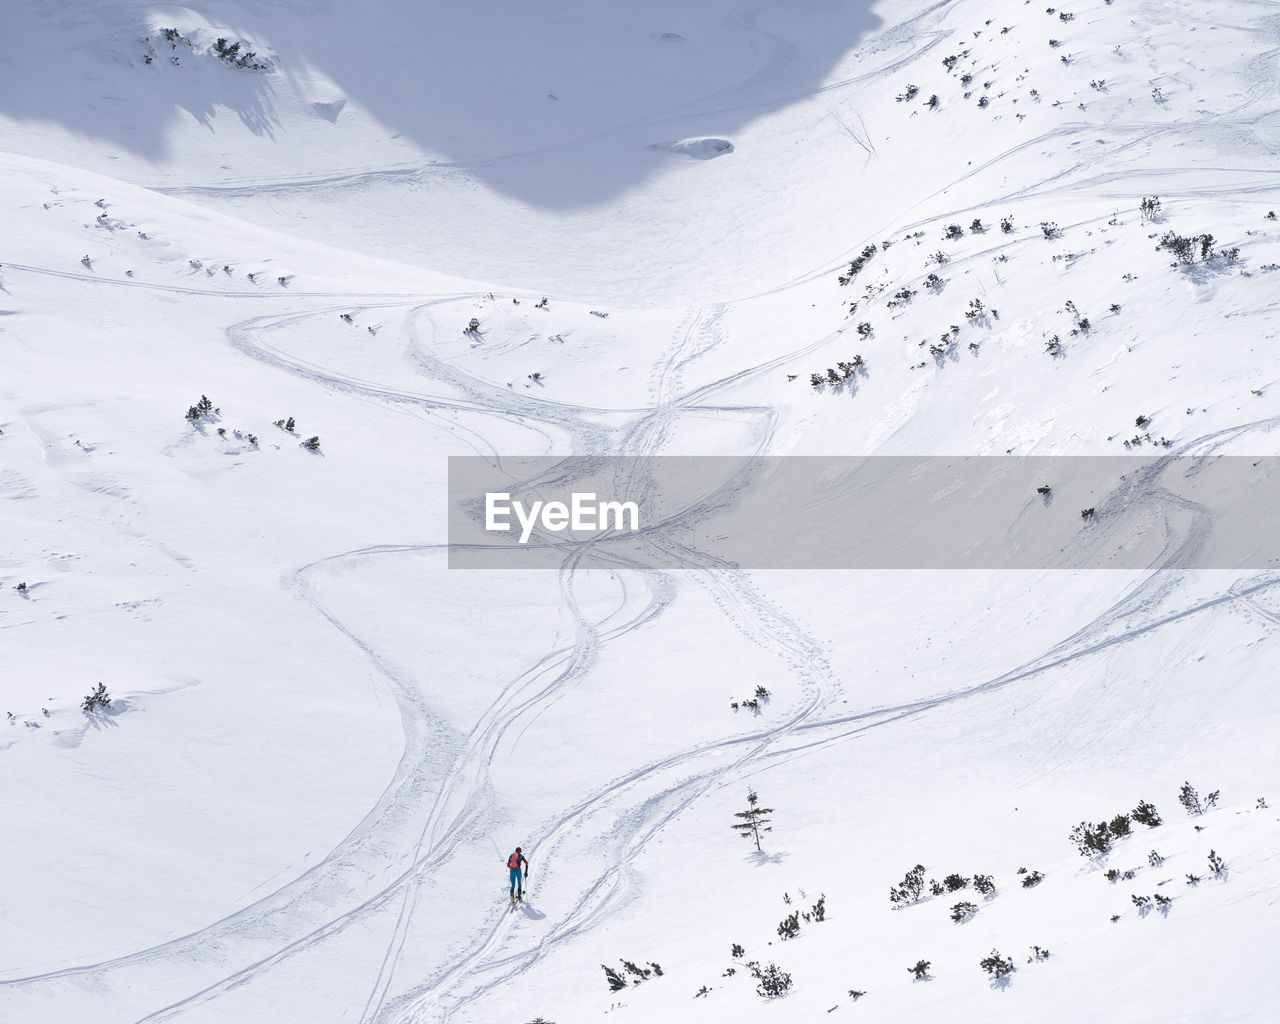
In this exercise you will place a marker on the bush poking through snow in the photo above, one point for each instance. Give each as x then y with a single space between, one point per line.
1190 800
1038 953
616 980
1218 865
96 699
856 266
818 912
985 884
789 926
312 444
920 970
771 980
1146 814
231 54
996 965
963 911
1091 840
910 889
1032 879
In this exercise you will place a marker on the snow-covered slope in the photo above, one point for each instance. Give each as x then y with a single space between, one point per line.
323 743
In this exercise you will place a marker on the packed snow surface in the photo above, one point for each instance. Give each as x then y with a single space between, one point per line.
322 743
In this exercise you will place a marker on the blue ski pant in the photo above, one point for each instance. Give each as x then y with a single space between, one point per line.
517 884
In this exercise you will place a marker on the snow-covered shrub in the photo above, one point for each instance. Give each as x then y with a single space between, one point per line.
1218 865
1119 826
962 911
985 884
312 444
920 970
955 881
1032 879
789 926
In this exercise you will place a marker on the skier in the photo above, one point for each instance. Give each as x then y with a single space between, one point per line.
517 880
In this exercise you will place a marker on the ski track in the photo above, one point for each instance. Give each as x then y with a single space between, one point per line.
298 915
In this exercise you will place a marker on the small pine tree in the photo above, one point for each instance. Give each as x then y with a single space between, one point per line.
1190 799
312 444
96 699
910 889
754 820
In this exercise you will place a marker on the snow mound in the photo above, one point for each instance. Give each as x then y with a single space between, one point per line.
329 110
699 149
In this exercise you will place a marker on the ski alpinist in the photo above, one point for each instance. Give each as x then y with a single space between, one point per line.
517 879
